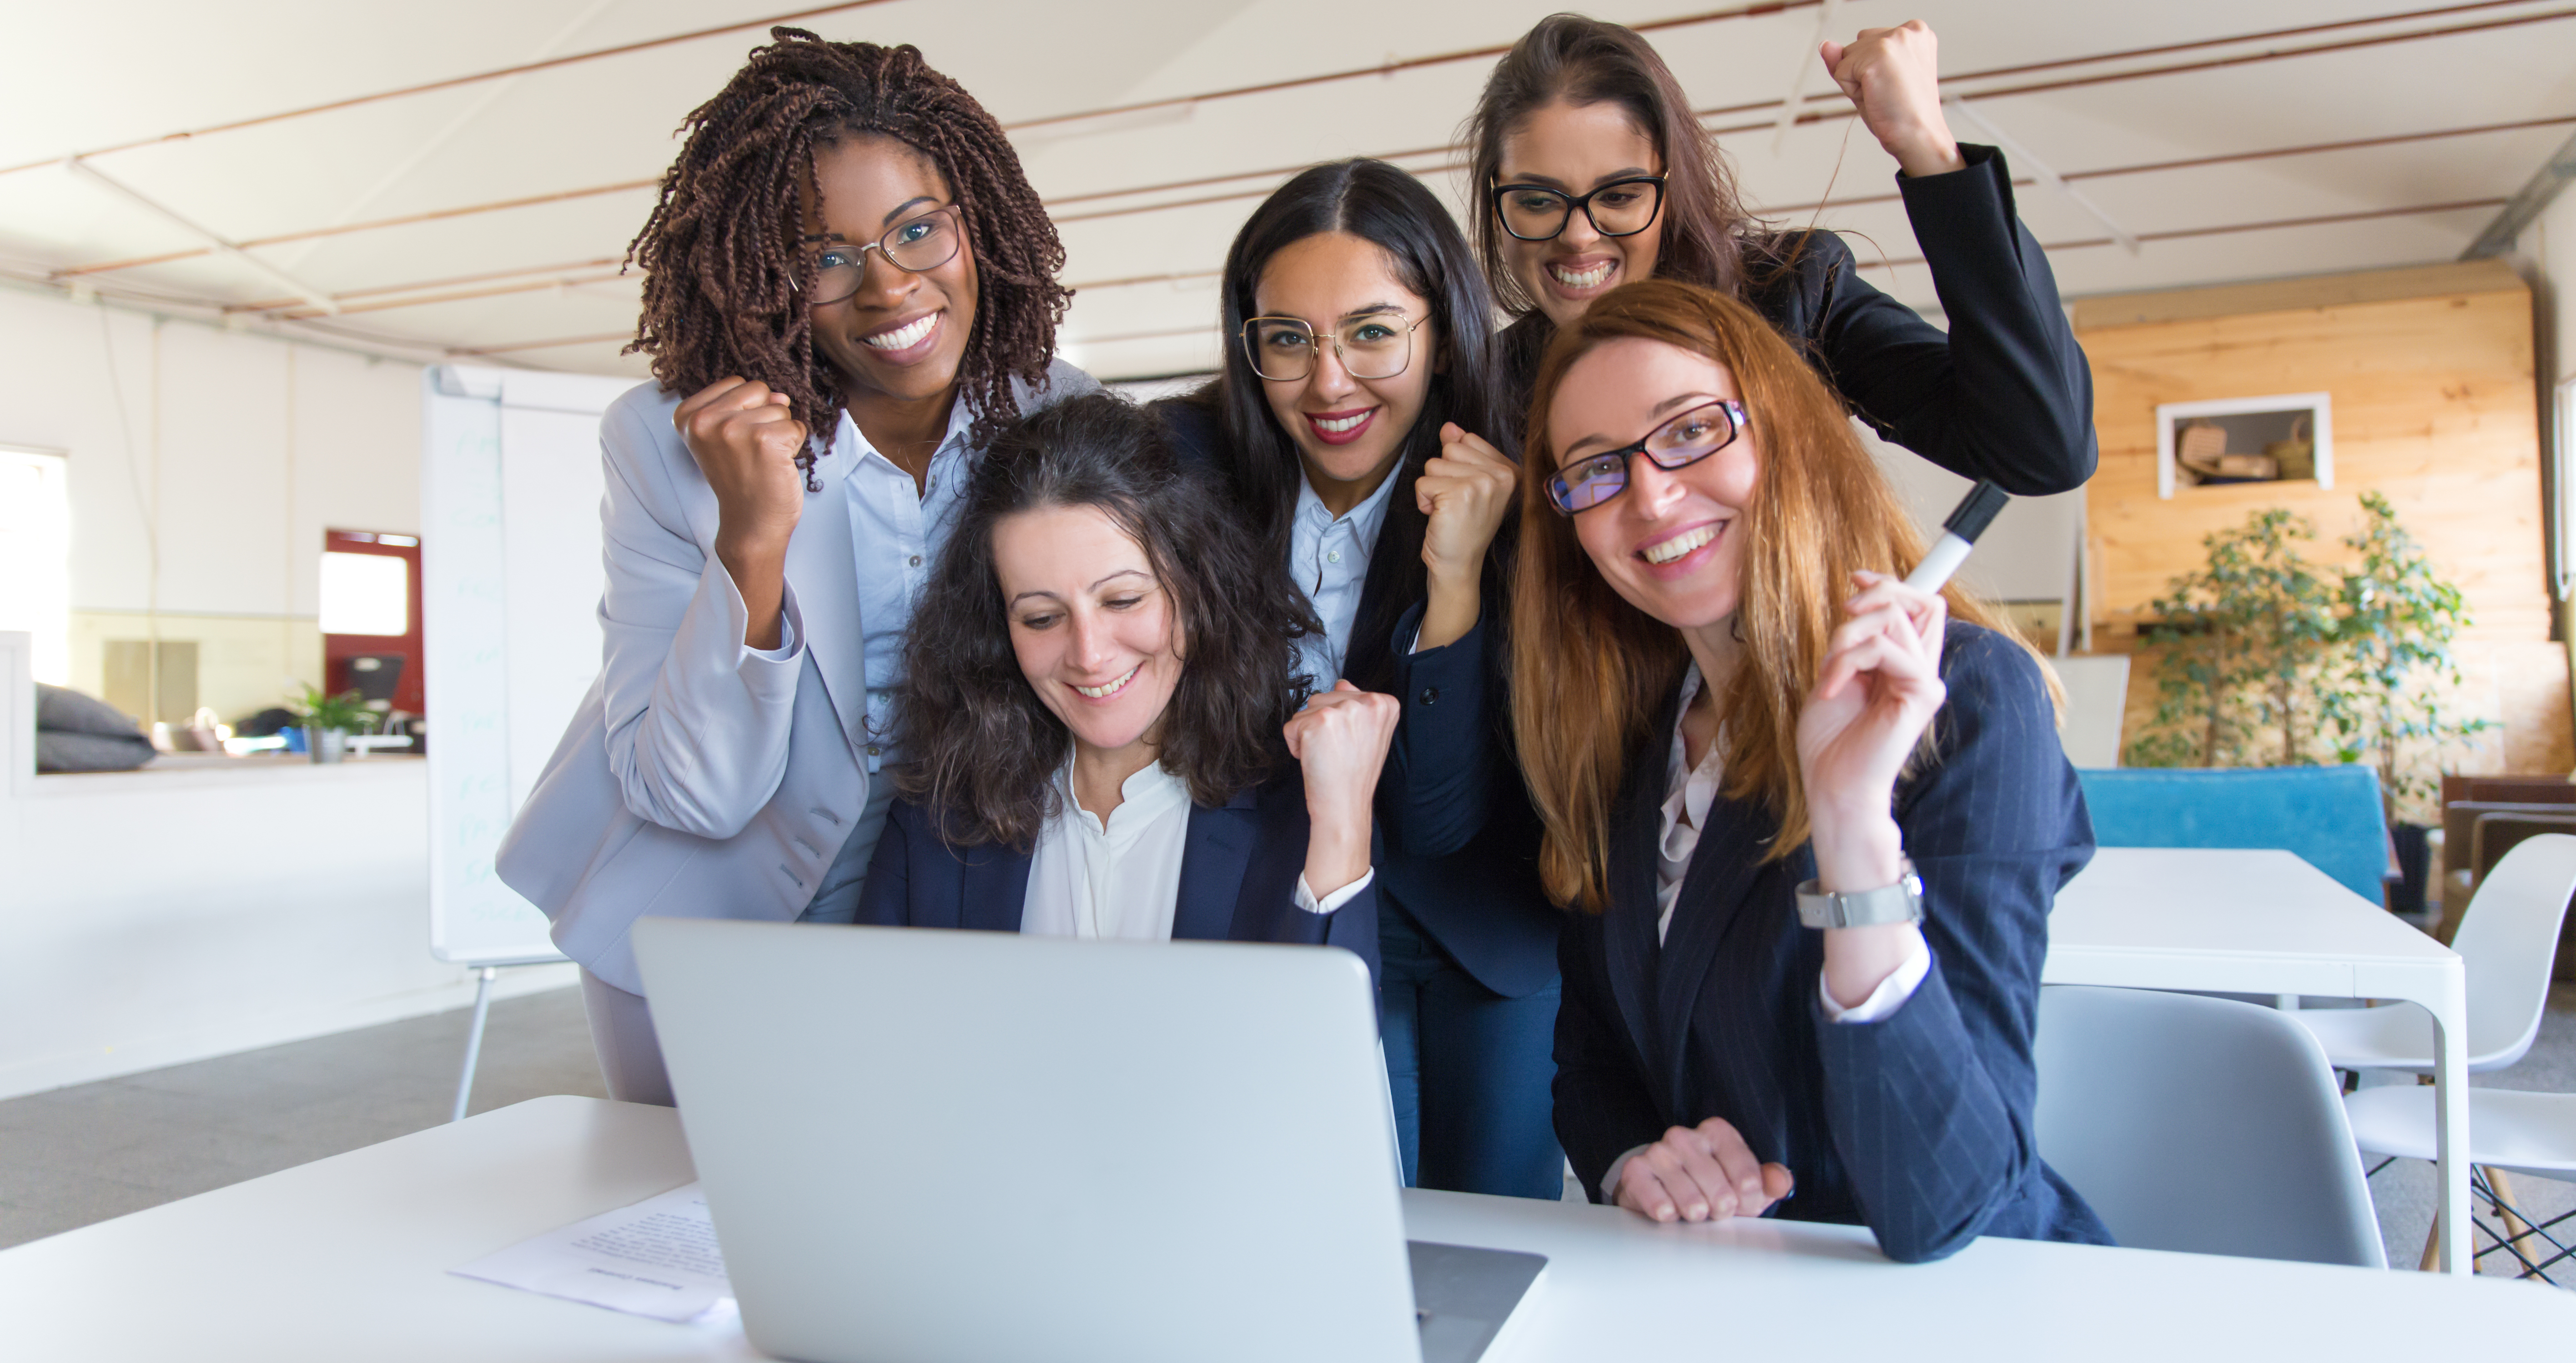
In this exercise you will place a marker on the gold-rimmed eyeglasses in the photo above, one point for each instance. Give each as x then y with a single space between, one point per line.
918 244
1370 346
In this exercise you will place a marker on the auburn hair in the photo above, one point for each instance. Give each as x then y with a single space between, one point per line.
1591 672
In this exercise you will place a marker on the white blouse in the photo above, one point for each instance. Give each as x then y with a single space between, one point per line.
1122 879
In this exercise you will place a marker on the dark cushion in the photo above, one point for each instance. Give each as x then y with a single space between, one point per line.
61 752
64 711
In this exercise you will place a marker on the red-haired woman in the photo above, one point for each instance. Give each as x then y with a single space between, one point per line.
1811 820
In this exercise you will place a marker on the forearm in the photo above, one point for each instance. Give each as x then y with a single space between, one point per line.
758 567
1855 853
1455 601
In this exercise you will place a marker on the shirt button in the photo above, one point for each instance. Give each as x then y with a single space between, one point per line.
1430 695
916 560
873 751
1333 557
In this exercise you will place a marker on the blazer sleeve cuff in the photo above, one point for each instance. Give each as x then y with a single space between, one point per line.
791 630
1610 1180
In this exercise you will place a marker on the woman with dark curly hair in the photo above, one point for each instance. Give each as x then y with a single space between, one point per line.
1101 715
850 288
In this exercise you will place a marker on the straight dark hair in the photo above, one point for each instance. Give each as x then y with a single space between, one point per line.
981 748
1582 61
1398 214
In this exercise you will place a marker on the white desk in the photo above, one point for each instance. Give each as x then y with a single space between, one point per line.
346 1259
2261 922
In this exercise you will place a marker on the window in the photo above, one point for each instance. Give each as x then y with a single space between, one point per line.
36 555
365 594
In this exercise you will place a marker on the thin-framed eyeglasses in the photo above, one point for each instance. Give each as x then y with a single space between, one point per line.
1371 346
1679 443
918 244
1621 208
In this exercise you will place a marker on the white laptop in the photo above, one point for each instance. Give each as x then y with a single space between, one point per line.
924 1146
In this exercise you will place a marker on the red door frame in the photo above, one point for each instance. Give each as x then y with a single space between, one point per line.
338 649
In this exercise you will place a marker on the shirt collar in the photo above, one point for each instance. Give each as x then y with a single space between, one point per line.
1363 519
1143 798
850 448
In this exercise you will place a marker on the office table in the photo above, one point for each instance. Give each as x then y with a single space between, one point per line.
347 1258
2262 922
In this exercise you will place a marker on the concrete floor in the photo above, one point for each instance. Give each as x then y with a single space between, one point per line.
78 1155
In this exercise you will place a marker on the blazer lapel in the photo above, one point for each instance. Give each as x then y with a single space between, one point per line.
1628 925
993 888
822 568
1214 855
1724 866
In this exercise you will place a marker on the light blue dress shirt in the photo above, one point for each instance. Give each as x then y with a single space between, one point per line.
1329 558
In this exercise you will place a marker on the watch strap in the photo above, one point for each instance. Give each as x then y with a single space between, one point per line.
1901 902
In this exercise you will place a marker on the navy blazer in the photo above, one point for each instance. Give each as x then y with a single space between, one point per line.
1918 1126
1239 868
1477 892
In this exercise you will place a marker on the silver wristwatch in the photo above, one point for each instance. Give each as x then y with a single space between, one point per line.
1901 902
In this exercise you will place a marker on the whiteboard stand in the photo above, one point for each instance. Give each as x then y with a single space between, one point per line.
474 1035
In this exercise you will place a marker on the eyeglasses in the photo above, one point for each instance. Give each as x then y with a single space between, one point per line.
1621 208
917 244
1679 443
1378 346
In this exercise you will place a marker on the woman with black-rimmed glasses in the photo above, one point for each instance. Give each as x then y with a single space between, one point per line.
850 290
1361 426
1591 171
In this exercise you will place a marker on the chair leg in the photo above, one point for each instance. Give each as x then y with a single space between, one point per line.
2515 1228
2432 1247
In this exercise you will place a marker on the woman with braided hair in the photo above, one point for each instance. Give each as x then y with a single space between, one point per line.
850 288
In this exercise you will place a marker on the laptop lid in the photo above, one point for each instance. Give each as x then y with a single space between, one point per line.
927 1146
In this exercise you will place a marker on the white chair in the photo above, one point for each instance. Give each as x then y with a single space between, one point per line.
2202 1125
2510 1132
2507 937
2097 698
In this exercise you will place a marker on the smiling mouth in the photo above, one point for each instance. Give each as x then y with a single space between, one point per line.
1339 428
904 337
1588 278
1113 688
1666 551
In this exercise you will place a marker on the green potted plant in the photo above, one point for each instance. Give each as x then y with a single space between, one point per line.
2241 646
2396 678
329 720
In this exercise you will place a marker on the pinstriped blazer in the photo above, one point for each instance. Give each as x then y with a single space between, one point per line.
1918 1126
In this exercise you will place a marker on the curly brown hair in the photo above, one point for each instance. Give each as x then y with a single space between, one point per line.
980 748
722 270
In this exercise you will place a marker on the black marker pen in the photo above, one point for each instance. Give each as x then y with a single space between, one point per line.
1958 534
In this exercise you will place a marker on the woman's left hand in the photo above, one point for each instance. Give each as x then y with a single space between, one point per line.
1894 75
1877 690
1340 739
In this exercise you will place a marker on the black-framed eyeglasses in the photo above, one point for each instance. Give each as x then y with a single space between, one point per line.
1679 443
923 242
1374 346
1621 208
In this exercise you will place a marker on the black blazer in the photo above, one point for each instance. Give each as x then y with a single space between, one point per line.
2005 394
1918 1126
1472 885
1239 869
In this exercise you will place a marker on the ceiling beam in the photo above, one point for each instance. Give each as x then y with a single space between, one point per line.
2526 204
317 297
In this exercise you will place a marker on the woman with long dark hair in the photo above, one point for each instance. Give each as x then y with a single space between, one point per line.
1102 713
1810 820
850 288
1359 421
1590 171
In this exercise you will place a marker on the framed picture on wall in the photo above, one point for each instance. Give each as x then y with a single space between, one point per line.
2284 438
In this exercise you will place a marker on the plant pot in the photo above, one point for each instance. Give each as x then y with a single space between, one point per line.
2406 893
326 745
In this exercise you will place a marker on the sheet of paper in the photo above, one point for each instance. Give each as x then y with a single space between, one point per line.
657 1258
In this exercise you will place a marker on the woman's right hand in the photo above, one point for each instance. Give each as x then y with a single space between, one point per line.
1340 739
1701 1173
745 441
1465 492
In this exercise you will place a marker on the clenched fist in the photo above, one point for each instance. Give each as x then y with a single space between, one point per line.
746 442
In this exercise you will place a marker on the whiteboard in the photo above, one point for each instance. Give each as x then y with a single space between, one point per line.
510 585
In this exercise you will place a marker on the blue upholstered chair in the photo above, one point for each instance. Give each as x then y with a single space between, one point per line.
2329 816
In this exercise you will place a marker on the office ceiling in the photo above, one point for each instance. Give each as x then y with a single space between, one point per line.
463 179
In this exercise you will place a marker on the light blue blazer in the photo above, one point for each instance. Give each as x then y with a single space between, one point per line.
700 780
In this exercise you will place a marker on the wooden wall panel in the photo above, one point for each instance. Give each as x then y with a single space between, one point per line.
2433 407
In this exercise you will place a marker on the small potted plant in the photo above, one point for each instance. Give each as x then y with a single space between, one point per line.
329 720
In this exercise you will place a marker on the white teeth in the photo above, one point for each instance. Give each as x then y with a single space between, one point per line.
1581 280
1113 688
1680 544
1337 425
903 337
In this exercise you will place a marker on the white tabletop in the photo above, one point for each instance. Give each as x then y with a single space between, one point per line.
2261 922
346 1259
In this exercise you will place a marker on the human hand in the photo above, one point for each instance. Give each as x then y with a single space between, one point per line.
1465 490
746 442
1341 738
1701 1173
1894 75
1877 691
